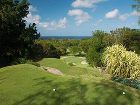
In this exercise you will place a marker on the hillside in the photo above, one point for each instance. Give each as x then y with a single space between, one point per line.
26 84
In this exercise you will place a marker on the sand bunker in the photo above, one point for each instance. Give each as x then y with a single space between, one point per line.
52 70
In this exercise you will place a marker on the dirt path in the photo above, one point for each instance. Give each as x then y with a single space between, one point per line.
52 70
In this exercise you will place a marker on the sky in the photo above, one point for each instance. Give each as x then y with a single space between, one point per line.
81 17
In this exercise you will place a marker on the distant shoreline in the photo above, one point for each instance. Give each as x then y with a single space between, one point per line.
65 37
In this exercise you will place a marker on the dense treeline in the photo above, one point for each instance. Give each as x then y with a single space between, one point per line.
116 52
56 48
92 47
16 38
129 38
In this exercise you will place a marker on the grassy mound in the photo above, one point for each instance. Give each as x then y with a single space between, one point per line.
29 85
66 68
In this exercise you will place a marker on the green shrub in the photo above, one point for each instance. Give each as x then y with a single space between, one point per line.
75 50
95 51
130 38
129 82
93 57
20 61
120 62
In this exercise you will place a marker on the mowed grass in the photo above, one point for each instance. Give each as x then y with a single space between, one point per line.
67 69
29 85
77 60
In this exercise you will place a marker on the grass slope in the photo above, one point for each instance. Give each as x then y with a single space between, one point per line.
77 70
65 68
29 85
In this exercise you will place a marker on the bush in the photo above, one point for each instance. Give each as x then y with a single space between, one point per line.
49 51
75 50
120 62
94 58
20 61
63 50
129 82
97 48
130 38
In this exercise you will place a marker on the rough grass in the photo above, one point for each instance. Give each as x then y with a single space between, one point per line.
28 85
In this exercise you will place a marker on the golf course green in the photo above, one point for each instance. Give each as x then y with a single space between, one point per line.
80 84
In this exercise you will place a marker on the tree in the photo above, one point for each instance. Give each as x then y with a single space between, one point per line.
27 41
49 51
137 7
85 44
75 50
95 51
130 38
13 29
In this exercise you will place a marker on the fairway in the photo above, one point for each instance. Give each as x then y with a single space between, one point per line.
69 52
29 85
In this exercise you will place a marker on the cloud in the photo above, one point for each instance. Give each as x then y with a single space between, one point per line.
98 22
112 14
32 8
85 3
125 16
116 14
53 25
135 13
32 18
80 16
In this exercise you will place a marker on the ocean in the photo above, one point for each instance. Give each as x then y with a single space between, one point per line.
64 37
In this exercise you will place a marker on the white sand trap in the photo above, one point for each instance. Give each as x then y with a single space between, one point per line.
64 57
84 63
52 70
70 63
82 57
74 64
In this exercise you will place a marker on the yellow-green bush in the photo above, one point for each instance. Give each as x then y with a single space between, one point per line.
122 63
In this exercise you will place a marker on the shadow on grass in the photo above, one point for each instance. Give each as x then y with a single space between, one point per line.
73 92
2 79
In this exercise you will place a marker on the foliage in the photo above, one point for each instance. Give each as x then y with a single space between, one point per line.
120 62
63 50
93 57
130 38
27 40
62 46
48 50
75 50
129 82
16 39
85 44
20 61
95 51
137 7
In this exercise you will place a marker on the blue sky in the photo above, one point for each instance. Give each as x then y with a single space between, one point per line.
81 17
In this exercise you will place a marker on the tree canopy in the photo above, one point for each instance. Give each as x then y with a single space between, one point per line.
15 36
137 7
